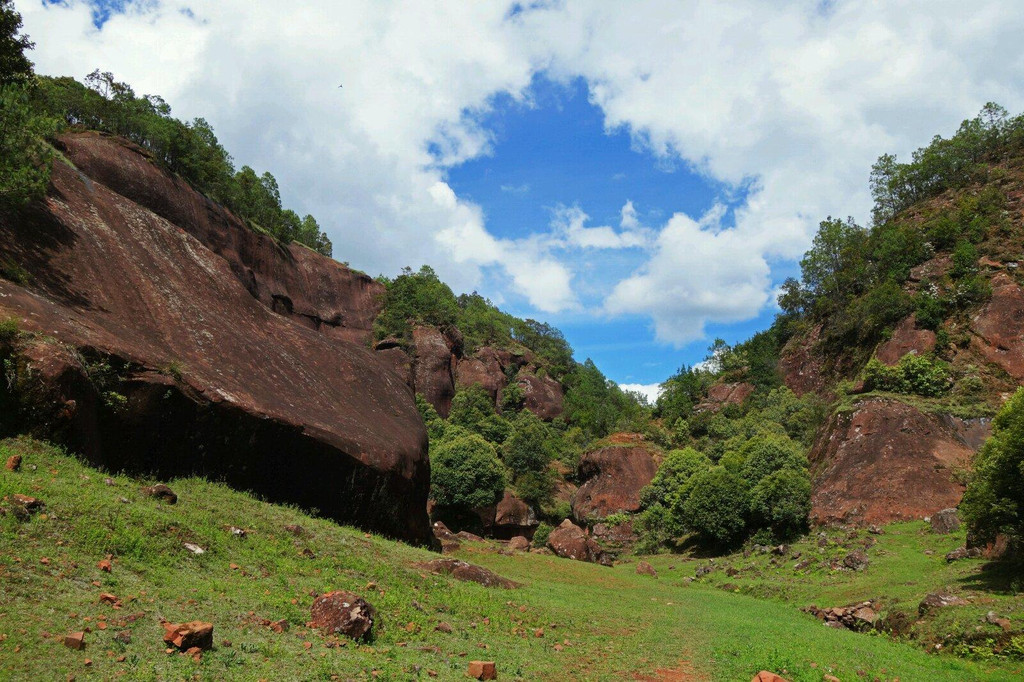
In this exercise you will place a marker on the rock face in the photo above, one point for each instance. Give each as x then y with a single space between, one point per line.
720 395
906 338
485 369
343 613
801 368
999 326
434 367
883 462
569 541
614 477
228 354
542 395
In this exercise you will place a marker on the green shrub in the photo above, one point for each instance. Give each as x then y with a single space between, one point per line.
716 507
10 329
765 455
535 487
669 482
930 310
965 260
781 502
994 500
528 448
541 535
914 374
465 473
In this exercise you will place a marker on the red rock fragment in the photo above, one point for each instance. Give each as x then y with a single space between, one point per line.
13 463
344 613
75 640
482 670
105 566
766 676
188 635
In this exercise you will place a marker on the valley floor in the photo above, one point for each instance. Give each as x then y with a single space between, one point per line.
568 621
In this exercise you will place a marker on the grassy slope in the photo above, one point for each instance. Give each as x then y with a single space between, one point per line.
617 624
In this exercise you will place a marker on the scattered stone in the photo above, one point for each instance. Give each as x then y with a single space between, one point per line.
945 521
937 601
519 544
188 635
856 560
468 537
644 568
109 481
161 492
105 565
765 676
781 550
993 619
858 617
343 613
461 570
876 530
13 463
195 549
444 627
27 503
539 632
963 553
75 640
123 637
830 678
195 653
279 626
732 571
482 670
296 530
239 533
703 571
107 598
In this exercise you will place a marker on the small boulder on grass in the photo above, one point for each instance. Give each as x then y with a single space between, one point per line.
343 613
945 521
13 463
766 676
483 670
188 635
75 640
161 492
27 502
644 568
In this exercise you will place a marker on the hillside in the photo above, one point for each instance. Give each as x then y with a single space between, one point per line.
568 620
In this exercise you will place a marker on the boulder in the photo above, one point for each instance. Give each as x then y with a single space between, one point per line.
519 544
343 613
75 640
856 560
766 676
185 636
461 570
160 492
644 568
906 339
232 356
541 395
433 367
509 518
938 600
613 478
858 617
885 461
963 553
569 541
999 326
945 521
397 360
27 502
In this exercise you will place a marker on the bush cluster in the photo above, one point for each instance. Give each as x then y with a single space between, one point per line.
914 374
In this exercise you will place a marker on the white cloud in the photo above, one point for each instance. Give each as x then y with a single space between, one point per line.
799 97
649 391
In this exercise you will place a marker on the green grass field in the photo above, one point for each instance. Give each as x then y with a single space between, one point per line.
608 624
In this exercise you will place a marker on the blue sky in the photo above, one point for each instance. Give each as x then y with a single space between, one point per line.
642 175
554 151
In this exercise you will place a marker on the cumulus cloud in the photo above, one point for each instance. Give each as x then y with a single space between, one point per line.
648 391
789 101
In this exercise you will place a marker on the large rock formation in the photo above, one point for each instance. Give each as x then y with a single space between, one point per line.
1000 326
541 395
203 347
802 369
509 518
887 461
434 367
614 477
485 369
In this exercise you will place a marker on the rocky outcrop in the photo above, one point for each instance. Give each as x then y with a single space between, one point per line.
485 369
721 395
613 478
292 280
461 570
434 367
999 326
167 349
803 369
885 461
541 395
906 338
